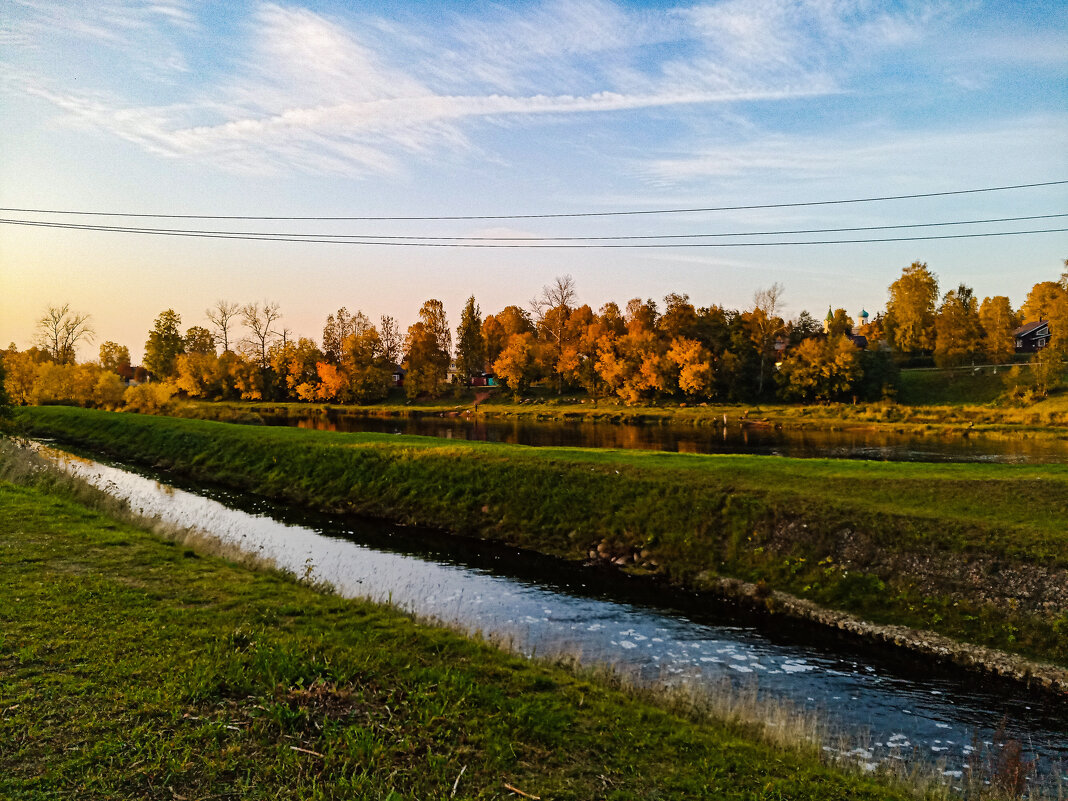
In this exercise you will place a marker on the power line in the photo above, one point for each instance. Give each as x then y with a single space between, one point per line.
400 239
561 215
550 245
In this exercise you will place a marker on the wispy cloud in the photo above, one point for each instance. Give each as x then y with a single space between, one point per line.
891 153
145 37
355 95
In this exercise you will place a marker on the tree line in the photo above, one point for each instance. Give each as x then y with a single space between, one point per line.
640 352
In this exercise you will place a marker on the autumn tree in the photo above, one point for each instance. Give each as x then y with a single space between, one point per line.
5 399
679 319
820 369
635 365
551 310
641 315
197 374
221 316
694 363
164 344
108 391
1041 300
493 339
59 330
997 321
392 344
428 351
199 340
470 346
957 332
432 313
516 365
293 363
21 373
577 362
340 327
1048 300
426 364
498 328
369 372
332 383
114 357
766 325
260 321
910 310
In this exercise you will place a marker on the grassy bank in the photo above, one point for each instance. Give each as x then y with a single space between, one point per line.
135 668
945 403
976 552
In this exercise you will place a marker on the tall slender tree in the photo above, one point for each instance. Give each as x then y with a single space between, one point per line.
470 346
164 344
958 334
910 310
998 322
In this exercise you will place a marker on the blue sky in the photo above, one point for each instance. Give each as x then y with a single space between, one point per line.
408 109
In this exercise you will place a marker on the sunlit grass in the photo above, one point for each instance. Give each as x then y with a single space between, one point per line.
132 666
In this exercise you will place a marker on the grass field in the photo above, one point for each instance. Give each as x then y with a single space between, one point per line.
856 536
131 667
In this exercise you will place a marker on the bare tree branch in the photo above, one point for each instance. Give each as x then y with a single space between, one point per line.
258 320
220 316
59 330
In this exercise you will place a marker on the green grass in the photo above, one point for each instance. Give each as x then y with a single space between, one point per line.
131 668
845 534
951 387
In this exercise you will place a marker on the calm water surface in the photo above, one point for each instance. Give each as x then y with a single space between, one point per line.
543 606
855 443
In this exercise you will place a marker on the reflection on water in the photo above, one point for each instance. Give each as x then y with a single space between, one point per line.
855 443
544 605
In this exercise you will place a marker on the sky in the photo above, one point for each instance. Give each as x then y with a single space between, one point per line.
444 109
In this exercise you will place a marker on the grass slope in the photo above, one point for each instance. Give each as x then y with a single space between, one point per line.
131 668
690 517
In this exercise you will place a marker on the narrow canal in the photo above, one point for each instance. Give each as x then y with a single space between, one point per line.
856 442
543 606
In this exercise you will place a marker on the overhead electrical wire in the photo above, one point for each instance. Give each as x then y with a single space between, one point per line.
530 239
558 215
549 243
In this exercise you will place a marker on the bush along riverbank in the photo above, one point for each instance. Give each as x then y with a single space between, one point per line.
975 553
134 667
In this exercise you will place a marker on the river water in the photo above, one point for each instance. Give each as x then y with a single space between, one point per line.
856 442
545 606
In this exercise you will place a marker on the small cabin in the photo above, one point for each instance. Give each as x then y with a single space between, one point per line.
1031 337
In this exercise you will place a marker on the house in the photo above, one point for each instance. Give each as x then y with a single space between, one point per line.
398 375
1031 337
484 380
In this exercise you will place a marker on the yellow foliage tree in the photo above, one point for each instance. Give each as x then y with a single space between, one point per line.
694 362
332 382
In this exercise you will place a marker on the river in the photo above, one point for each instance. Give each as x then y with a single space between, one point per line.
855 442
545 606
